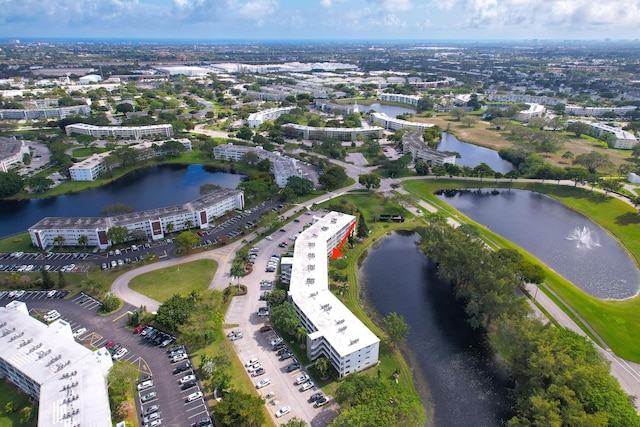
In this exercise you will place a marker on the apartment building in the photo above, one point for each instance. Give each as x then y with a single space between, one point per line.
399 98
256 119
126 132
393 123
89 169
624 140
533 110
199 213
527 99
12 153
282 167
68 380
331 107
333 330
576 110
341 134
413 143
44 113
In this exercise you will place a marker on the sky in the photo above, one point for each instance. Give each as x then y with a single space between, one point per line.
321 19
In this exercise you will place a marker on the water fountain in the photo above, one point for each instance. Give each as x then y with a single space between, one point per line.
584 237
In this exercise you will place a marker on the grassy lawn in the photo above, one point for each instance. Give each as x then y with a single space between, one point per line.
183 279
18 243
8 393
86 152
617 322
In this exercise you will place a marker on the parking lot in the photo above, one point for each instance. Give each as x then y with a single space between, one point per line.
282 389
81 311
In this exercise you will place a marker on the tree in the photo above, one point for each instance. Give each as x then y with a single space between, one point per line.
578 128
250 157
10 183
323 366
59 240
61 280
284 318
457 113
187 240
83 240
369 180
175 311
294 422
124 108
208 189
567 156
299 186
396 328
110 303
245 133
469 120
40 184
425 103
237 271
363 229
117 234
276 297
593 161
483 170
26 414
240 409
264 165
47 281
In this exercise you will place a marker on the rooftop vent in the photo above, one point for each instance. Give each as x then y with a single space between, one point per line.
342 329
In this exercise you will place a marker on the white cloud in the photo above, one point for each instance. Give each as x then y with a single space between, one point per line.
393 5
257 10
326 3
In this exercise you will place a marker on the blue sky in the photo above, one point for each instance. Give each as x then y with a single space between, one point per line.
321 19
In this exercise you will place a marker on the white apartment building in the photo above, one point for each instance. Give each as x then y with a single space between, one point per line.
46 113
624 140
282 167
534 110
256 119
393 123
413 143
576 110
341 134
127 132
90 168
68 380
333 330
401 99
12 153
328 106
527 99
199 213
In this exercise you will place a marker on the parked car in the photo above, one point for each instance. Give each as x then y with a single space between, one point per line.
139 328
263 383
251 362
145 385
188 385
266 328
79 332
283 411
151 417
258 372
236 336
194 396
306 386
148 397
120 354
182 368
322 401
150 410
315 396
292 367
174 348
187 378
302 379
178 357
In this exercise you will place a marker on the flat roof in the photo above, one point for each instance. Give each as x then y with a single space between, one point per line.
49 356
309 288
9 147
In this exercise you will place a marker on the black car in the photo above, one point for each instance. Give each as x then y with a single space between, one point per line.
188 385
315 396
114 348
175 347
292 367
181 368
286 356
203 422
282 350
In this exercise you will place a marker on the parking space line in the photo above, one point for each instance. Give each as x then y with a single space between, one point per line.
199 414
143 366
93 338
126 313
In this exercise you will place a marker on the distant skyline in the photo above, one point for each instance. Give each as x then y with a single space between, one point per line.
320 19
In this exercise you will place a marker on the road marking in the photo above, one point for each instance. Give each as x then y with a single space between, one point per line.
143 366
126 313
93 338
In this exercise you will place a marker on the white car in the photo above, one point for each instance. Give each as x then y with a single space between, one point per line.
254 368
151 417
263 383
178 358
51 316
120 354
282 411
187 378
19 293
306 386
194 396
269 238
145 385
251 362
302 379
51 294
79 332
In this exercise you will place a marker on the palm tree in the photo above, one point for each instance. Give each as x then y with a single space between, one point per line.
301 334
169 227
237 271
322 365
188 223
83 240
59 240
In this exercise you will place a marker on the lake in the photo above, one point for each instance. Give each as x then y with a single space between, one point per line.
472 155
389 110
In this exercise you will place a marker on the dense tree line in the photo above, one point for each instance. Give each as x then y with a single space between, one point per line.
559 378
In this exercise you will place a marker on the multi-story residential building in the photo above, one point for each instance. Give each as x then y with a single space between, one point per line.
68 380
128 132
331 107
12 153
154 222
332 330
89 169
399 98
256 119
46 113
528 99
282 167
576 110
342 134
413 143
393 123
534 110
624 140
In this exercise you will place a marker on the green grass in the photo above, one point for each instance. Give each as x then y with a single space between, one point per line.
616 322
8 393
86 152
18 243
182 279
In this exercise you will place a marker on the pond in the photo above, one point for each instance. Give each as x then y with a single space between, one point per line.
450 358
565 240
472 155
146 188
389 110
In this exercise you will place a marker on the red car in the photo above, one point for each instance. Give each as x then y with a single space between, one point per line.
139 328
266 328
109 345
